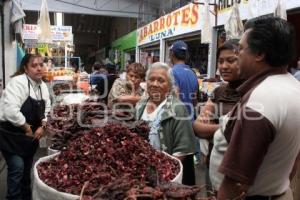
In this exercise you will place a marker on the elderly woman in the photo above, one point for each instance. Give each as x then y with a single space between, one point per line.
127 92
170 127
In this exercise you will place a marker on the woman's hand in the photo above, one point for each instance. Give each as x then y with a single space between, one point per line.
205 117
39 133
27 128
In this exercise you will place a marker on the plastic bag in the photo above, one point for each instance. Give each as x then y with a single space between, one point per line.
253 7
206 31
280 10
234 26
41 191
44 28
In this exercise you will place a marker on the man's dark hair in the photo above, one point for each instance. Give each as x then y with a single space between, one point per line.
24 62
228 45
273 37
111 69
98 65
180 55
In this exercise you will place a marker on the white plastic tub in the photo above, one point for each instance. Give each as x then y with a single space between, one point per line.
52 151
41 191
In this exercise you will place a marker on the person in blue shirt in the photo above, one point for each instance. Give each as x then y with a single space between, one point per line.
99 72
186 81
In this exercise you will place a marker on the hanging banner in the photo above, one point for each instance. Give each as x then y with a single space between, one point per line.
59 33
250 8
186 19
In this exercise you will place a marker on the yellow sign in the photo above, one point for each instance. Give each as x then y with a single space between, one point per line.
180 21
224 5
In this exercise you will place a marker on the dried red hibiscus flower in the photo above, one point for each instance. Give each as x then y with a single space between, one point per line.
103 155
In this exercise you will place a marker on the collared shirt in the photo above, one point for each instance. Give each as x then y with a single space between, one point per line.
187 82
16 93
263 133
154 120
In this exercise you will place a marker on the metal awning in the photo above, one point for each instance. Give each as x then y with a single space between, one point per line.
114 8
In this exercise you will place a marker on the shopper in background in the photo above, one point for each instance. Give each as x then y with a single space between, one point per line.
126 93
99 72
263 132
24 105
185 79
223 97
105 83
170 127
186 82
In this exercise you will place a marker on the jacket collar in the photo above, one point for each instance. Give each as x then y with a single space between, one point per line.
34 84
168 108
255 80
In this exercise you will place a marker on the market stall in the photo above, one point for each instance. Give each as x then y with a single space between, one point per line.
123 50
155 38
149 54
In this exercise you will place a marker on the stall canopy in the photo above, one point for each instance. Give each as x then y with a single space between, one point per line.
116 8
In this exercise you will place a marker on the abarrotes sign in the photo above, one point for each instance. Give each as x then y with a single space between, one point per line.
186 19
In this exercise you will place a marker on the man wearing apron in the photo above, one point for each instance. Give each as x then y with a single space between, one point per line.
24 104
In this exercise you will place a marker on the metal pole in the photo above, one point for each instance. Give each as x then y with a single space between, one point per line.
137 54
162 50
212 54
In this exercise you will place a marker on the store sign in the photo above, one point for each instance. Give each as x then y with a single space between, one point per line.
223 5
42 48
59 33
250 8
184 20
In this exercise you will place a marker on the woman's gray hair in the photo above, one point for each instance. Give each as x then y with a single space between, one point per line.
164 66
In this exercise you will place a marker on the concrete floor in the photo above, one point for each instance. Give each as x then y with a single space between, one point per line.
200 171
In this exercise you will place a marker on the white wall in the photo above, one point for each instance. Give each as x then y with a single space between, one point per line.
10 46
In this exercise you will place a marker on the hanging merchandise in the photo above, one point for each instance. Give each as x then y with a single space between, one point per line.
17 18
234 26
206 31
44 28
20 54
253 8
280 10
